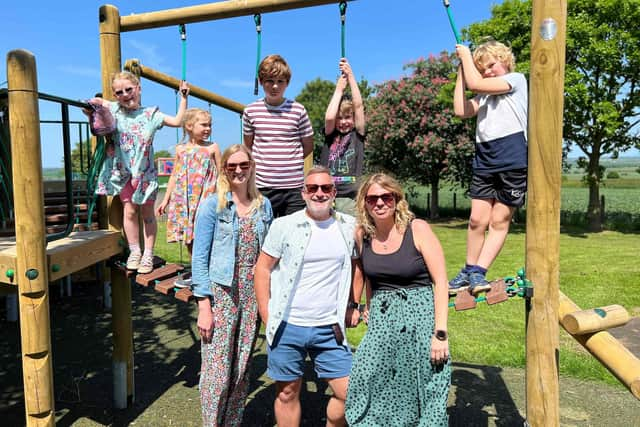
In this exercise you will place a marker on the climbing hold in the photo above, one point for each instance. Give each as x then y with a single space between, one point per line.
55 268
31 274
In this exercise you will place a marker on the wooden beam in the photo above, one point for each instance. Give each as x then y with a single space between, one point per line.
137 68
607 349
548 32
595 319
122 324
31 270
212 11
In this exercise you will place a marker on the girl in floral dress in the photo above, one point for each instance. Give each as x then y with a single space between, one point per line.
230 230
192 179
129 170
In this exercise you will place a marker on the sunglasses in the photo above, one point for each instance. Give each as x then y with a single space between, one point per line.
127 90
231 167
313 188
387 198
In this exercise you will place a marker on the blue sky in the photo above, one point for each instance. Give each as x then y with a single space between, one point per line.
381 37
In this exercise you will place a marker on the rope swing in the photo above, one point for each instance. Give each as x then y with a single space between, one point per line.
453 24
343 19
258 20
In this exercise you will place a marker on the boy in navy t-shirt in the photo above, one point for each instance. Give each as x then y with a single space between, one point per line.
499 179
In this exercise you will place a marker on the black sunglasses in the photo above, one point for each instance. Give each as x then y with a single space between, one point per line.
313 188
387 198
127 90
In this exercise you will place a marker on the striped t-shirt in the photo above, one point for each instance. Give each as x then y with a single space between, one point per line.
277 142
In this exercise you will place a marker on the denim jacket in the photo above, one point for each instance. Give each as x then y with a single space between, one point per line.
215 241
287 240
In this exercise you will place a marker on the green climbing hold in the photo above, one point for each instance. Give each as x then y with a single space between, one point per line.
31 274
55 268
10 273
520 283
600 312
521 273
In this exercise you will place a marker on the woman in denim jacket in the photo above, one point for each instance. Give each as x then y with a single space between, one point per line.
229 231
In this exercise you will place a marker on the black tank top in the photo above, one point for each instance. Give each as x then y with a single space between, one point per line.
402 269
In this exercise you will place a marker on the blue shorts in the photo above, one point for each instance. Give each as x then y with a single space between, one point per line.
291 345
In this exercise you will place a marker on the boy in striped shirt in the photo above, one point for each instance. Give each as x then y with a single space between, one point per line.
278 132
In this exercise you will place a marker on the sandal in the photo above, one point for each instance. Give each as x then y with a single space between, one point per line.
146 264
133 262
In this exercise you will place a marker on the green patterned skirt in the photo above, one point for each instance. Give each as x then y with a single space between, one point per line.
392 381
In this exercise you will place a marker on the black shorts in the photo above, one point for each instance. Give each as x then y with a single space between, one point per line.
284 201
508 187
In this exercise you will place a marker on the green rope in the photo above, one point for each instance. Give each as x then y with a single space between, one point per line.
183 36
258 20
453 24
343 19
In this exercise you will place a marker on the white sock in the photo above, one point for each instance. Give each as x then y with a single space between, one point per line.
134 248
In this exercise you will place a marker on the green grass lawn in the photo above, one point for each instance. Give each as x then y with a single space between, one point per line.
596 269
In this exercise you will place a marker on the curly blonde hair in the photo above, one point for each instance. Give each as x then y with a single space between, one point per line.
223 186
498 51
403 215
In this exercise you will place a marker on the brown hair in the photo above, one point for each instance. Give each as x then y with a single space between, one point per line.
274 66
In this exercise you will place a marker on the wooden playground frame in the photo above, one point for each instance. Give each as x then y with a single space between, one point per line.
32 262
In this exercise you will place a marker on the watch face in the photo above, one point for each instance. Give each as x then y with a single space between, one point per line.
441 335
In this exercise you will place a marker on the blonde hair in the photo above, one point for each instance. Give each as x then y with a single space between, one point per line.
124 75
190 117
223 186
402 215
346 107
274 66
497 50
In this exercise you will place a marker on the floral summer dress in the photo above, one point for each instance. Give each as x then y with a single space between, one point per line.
195 179
130 157
224 374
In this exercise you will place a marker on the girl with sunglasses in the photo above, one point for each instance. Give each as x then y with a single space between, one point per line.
129 169
230 228
401 370
193 177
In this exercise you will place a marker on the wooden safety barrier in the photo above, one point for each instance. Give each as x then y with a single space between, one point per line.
607 349
595 319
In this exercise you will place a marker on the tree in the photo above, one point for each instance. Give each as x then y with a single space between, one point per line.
413 132
79 159
315 96
161 153
602 78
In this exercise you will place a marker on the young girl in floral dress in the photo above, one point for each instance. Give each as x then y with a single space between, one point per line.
129 170
193 177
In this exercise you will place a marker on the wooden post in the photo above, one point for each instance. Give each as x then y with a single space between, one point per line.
548 31
32 273
138 69
211 11
607 349
123 381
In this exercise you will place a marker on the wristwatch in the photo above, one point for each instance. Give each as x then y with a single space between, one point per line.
353 304
441 335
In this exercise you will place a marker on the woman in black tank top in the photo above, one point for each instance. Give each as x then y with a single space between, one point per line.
401 371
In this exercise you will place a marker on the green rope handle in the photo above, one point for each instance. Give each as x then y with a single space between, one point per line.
343 18
453 24
92 176
258 20
183 36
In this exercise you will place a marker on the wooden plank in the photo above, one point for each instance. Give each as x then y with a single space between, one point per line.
166 286
51 229
161 273
63 208
185 295
81 250
497 293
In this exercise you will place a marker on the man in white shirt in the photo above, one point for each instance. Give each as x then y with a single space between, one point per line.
303 288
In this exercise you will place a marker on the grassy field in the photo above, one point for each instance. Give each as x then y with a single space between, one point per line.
595 270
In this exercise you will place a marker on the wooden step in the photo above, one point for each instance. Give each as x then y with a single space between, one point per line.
50 229
164 272
51 209
81 216
185 295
